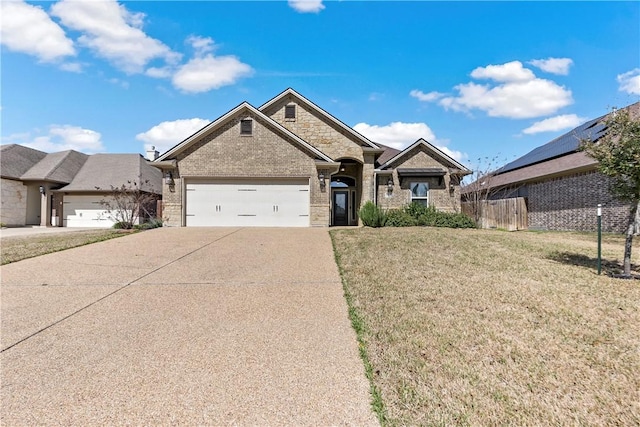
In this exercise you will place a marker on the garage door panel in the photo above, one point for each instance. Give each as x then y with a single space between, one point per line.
85 211
266 203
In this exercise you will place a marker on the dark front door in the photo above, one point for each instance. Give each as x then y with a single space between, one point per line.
340 208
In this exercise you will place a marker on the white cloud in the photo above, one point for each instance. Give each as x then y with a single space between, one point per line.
426 97
509 72
307 6
553 124
630 82
400 135
74 67
113 33
27 28
65 137
201 45
202 74
517 93
167 134
553 65
122 83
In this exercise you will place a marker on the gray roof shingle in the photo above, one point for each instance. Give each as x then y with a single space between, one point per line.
16 159
58 167
101 171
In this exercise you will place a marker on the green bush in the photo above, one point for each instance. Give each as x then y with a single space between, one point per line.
372 216
400 218
418 214
120 225
154 223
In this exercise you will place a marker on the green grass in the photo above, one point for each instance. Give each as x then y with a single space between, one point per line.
17 248
482 327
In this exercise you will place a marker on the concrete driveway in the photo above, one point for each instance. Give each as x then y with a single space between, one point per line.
182 326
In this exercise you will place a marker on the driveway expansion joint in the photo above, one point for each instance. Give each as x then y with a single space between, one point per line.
111 293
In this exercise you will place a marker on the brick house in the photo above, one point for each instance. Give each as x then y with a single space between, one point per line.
561 185
65 188
290 163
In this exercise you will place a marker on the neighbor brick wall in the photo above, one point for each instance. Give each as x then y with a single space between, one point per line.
226 153
569 203
13 202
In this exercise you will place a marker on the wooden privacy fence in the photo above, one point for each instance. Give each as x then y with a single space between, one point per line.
506 214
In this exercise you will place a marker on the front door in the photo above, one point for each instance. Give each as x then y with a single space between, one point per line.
340 207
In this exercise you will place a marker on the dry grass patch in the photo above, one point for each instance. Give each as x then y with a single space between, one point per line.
16 248
481 327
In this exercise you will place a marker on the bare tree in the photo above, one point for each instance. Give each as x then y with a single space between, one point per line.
129 203
477 187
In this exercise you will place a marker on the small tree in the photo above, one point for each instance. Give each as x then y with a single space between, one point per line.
478 188
618 156
127 203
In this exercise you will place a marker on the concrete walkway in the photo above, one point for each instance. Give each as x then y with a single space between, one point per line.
182 326
30 230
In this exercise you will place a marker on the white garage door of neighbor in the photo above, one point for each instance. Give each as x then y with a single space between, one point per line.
85 211
259 203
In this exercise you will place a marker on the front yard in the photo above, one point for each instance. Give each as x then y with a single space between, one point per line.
481 327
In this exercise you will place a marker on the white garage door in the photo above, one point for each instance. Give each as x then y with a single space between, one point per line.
259 203
85 211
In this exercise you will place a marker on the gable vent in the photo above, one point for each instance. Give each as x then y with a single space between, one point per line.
290 112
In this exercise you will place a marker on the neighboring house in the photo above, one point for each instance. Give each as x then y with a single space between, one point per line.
290 163
561 185
59 189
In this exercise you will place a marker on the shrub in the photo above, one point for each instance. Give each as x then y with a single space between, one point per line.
418 214
372 216
400 218
154 223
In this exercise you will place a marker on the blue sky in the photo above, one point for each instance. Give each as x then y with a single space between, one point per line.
478 79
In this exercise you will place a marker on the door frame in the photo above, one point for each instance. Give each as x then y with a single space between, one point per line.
347 193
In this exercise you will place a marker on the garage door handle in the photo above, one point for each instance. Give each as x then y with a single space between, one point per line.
275 208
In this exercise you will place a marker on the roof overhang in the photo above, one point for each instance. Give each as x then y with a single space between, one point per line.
420 172
246 107
290 92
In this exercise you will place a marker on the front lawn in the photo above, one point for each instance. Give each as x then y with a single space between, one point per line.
482 327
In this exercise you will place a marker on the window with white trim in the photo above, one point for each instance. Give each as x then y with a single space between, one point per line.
420 193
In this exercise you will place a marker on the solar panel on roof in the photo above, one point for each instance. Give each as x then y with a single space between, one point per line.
564 144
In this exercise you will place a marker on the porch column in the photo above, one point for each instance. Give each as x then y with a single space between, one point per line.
45 207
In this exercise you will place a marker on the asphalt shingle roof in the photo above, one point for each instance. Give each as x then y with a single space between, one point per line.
101 171
58 167
16 159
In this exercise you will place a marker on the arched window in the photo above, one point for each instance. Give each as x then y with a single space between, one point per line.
342 182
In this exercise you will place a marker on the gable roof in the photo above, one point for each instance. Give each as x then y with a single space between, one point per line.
433 149
564 144
245 106
292 93
387 154
57 167
104 170
16 159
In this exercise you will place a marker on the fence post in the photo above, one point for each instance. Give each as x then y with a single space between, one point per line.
599 213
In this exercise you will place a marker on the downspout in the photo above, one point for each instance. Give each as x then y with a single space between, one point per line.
375 187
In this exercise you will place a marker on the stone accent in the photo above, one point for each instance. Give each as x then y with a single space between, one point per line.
225 153
13 202
315 129
570 202
440 194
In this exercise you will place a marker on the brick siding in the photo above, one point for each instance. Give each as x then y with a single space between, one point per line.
569 203
225 153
